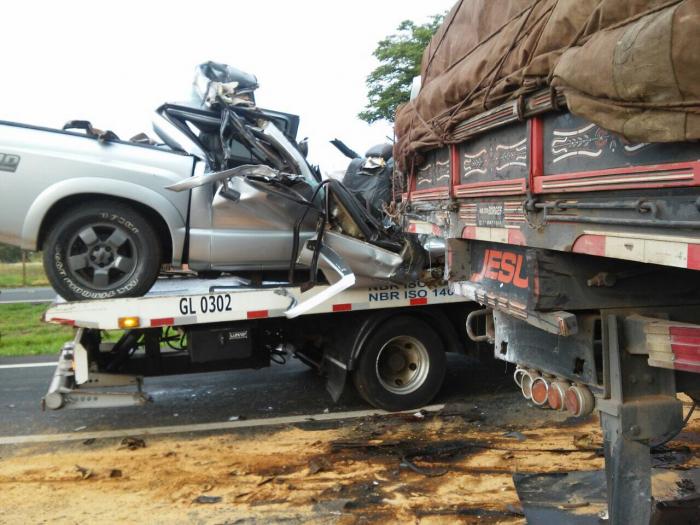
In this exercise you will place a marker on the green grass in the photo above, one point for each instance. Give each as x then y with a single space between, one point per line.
11 275
23 333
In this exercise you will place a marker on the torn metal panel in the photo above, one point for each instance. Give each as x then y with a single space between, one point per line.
364 258
215 82
336 271
209 177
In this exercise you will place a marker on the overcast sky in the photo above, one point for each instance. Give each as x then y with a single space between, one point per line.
113 63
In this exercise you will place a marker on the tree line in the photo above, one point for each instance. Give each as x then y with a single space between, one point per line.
399 55
10 254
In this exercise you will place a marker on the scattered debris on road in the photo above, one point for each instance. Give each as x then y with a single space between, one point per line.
380 468
207 499
85 473
132 443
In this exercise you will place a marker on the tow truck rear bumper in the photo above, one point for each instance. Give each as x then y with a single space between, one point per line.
74 386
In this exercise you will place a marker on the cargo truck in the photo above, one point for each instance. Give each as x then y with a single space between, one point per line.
553 146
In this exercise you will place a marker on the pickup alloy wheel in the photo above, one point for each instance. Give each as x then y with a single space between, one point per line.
106 250
102 256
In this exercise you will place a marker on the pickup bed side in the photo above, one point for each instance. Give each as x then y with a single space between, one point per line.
52 168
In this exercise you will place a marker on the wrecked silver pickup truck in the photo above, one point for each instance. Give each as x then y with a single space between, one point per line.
105 213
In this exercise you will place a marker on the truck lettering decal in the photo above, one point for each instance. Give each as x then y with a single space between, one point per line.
384 296
207 304
502 266
491 215
406 292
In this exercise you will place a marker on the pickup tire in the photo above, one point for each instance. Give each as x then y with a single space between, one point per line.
103 250
401 366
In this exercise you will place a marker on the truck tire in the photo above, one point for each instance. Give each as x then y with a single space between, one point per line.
402 365
104 250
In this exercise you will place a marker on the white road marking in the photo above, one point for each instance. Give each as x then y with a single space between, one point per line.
29 365
200 427
28 301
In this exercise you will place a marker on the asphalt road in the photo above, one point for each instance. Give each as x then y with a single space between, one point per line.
280 390
27 295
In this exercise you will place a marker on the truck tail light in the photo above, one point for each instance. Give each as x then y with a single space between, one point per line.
539 391
526 382
579 400
557 394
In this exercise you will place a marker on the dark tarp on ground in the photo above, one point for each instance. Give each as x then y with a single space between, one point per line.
630 66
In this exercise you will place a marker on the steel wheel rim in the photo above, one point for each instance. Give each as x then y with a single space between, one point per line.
102 256
402 365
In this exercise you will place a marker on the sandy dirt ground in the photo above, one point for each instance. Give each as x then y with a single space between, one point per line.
452 467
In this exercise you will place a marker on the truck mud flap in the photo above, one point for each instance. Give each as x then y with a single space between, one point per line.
336 375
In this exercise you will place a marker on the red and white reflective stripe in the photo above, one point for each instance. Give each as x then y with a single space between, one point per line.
673 345
164 321
685 345
171 321
72 322
258 314
60 320
424 228
668 251
343 307
502 235
348 307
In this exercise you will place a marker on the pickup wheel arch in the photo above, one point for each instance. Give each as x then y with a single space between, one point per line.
174 214
64 205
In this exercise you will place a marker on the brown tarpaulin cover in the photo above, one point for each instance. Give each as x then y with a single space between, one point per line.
631 66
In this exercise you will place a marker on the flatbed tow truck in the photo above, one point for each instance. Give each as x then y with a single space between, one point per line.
391 339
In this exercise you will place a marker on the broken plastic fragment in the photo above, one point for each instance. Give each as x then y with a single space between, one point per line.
207 499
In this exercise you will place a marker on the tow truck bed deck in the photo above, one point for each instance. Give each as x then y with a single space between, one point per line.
193 301
228 324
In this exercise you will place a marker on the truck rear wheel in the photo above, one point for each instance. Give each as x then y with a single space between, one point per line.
402 365
100 251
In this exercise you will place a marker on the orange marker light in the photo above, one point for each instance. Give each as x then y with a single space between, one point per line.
129 322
